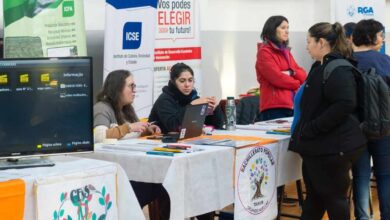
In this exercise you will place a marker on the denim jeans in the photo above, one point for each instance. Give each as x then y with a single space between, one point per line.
274 113
379 150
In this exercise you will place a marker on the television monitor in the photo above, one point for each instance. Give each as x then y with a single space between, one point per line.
46 108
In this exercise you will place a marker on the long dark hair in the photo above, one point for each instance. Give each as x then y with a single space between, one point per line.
177 69
334 34
111 94
365 32
269 29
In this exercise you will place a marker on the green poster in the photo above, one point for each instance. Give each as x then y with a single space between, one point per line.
44 28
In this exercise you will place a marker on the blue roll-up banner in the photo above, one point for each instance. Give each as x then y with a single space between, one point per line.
129 44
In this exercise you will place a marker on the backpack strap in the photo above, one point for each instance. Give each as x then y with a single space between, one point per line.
332 65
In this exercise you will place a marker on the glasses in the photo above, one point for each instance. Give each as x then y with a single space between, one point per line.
132 86
382 34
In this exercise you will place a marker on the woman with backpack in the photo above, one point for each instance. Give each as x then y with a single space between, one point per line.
327 135
368 38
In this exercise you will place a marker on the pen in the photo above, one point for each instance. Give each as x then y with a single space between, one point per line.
178 146
152 122
162 153
167 150
277 132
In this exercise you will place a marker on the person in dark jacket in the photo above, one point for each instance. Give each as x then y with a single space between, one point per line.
327 135
369 38
169 108
277 72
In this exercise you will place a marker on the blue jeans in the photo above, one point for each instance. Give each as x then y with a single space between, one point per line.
274 113
379 150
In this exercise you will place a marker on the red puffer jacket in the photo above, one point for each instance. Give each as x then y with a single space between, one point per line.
277 88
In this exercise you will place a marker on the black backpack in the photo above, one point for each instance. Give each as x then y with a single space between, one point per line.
373 99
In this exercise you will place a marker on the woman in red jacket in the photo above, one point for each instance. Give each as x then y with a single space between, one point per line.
277 72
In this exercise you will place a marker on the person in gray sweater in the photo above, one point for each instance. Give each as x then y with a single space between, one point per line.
114 115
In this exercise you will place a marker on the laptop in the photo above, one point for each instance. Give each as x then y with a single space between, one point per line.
193 121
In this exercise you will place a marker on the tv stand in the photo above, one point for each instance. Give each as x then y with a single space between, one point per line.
19 163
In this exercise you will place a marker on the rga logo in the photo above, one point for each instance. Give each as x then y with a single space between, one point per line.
367 11
258 172
132 35
351 11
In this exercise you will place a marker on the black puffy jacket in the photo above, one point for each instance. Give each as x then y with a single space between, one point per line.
328 123
169 108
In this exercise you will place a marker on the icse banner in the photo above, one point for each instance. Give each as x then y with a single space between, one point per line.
355 10
53 28
177 40
129 44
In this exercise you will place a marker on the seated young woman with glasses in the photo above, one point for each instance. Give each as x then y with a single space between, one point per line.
114 115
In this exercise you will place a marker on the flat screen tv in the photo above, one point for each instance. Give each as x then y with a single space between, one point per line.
46 108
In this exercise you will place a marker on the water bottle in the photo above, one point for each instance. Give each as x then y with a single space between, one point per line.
230 114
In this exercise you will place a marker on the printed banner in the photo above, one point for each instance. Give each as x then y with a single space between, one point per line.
255 182
129 44
50 28
356 10
177 40
92 196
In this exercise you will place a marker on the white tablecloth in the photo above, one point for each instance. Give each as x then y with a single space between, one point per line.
74 168
289 163
197 182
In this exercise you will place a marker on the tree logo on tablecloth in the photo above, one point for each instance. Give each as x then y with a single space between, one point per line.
83 200
257 173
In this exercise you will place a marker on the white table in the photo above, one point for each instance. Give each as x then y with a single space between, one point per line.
289 163
71 171
197 182
200 182
287 169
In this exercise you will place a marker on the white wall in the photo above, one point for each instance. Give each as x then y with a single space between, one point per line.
231 30
94 12
250 15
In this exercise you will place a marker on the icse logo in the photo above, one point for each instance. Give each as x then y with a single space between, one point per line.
258 172
132 35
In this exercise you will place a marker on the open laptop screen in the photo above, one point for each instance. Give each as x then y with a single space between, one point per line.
193 121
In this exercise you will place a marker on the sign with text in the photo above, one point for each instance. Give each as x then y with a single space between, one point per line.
255 182
81 196
53 28
177 40
356 10
129 44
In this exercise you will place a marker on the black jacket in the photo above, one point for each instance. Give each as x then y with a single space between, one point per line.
328 123
169 108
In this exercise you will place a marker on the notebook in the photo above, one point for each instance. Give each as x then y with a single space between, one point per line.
192 124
